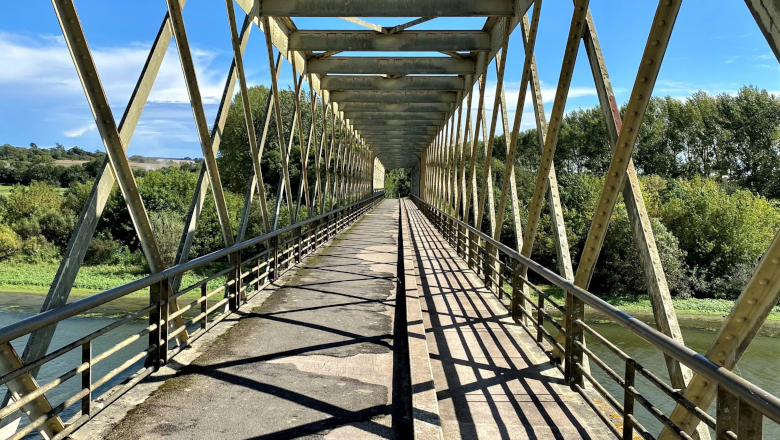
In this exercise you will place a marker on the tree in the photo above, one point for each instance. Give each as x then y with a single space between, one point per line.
753 156
234 160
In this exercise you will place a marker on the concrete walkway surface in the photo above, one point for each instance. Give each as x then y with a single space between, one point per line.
492 380
327 355
315 359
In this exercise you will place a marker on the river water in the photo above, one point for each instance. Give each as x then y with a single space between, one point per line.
758 365
15 307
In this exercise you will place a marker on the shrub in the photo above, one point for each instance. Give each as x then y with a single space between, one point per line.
618 270
103 251
22 202
722 232
9 242
37 250
56 226
27 227
167 227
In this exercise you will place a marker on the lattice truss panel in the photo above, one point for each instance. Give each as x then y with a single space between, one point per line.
401 112
449 178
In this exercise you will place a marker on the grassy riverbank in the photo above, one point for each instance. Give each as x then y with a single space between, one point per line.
682 306
36 278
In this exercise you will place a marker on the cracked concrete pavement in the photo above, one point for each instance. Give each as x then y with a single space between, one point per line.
314 360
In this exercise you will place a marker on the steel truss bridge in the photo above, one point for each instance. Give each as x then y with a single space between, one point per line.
381 112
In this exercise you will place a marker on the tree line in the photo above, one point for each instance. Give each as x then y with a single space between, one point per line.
36 220
709 168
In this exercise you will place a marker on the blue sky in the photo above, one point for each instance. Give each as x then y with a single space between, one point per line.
716 47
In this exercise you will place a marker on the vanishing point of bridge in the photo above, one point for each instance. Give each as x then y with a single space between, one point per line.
373 318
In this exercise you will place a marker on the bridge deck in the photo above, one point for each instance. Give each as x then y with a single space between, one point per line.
316 358
492 380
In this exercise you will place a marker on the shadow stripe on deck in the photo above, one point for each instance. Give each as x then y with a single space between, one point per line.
491 379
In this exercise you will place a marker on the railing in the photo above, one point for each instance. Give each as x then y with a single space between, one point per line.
271 255
741 405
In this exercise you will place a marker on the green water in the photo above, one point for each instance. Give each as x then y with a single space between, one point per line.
758 365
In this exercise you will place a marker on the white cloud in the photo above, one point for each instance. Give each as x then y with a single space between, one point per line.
42 66
76 132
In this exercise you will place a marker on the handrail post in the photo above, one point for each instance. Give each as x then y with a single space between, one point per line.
735 416
517 300
299 254
472 257
235 289
487 267
158 318
499 276
575 311
204 305
628 402
165 293
539 319
86 379
276 258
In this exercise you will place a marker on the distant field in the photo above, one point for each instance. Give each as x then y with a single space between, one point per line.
5 189
138 165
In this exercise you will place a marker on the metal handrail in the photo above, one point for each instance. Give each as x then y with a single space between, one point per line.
41 320
747 392
307 236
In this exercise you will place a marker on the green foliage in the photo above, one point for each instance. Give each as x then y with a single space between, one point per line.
724 232
167 227
617 271
397 183
235 162
9 242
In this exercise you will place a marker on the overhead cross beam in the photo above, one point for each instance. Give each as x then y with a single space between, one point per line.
409 41
393 97
394 106
380 83
392 66
388 8
396 116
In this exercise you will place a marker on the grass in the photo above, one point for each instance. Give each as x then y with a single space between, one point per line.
6 189
641 304
139 165
36 278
